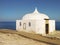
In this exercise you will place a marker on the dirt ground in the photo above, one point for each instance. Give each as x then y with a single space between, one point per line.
15 39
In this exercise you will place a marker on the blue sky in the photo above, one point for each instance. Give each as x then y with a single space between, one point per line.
11 10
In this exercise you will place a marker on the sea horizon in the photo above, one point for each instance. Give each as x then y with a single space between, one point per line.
12 25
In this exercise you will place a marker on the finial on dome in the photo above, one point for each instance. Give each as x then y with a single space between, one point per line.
36 11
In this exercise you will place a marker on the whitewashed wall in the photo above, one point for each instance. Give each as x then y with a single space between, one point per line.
51 25
18 27
30 28
40 26
37 26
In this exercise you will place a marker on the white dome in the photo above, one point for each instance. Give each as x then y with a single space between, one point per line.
35 16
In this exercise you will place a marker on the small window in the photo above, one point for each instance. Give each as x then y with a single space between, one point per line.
20 23
29 24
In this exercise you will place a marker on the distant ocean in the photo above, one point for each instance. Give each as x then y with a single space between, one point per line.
12 25
8 25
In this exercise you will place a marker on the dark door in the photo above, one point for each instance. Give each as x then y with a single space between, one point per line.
47 28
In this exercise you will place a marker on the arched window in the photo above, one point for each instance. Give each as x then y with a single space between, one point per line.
20 23
29 24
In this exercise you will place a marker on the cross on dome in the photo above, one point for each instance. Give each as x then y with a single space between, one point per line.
36 11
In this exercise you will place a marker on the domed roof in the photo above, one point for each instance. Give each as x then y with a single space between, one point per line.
35 16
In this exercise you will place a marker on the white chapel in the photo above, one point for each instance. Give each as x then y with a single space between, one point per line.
36 22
